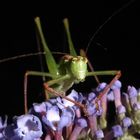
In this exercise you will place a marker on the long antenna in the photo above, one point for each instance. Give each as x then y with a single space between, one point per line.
21 56
27 55
106 21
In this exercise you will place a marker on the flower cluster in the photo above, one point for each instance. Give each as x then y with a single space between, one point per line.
83 118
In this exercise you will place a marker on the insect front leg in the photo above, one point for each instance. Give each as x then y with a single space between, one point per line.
117 76
60 94
32 73
56 81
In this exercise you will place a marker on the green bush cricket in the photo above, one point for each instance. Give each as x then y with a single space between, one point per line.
72 69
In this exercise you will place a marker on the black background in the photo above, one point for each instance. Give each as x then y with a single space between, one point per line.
118 49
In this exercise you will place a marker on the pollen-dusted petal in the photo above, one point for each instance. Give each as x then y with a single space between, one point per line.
52 117
53 114
117 130
48 123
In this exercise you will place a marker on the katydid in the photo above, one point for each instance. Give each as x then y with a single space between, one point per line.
72 69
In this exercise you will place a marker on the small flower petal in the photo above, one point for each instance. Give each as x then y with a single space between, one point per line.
121 109
99 134
64 121
53 114
136 106
101 86
132 92
3 124
81 122
91 109
39 107
28 126
118 132
117 85
91 96
110 96
126 122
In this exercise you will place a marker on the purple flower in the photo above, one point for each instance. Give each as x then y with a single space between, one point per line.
91 109
116 85
67 117
101 86
39 107
110 96
99 134
117 130
3 125
121 109
79 125
81 122
117 93
136 106
91 96
126 122
132 91
52 117
27 127
62 103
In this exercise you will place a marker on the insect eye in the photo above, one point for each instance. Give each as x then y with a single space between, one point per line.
74 59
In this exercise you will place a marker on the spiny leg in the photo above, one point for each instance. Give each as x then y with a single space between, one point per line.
61 94
118 75
58 81
34 73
